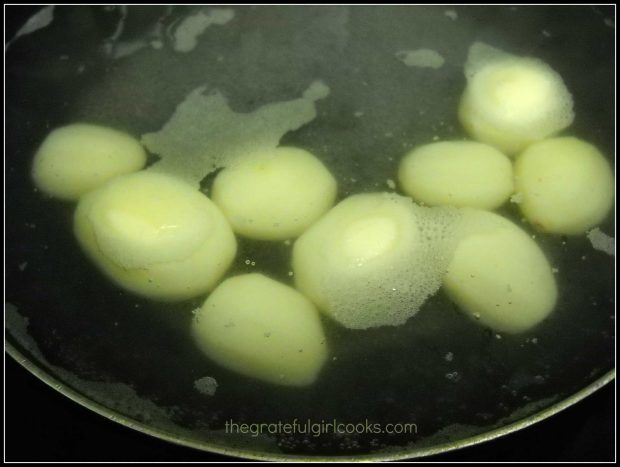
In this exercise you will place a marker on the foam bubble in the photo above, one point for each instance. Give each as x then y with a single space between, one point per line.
601 241
187 33
206 385
421 58
375 258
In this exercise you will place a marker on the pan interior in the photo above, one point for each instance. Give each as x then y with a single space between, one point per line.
130 67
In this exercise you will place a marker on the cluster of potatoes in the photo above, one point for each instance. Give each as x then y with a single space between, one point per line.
372 259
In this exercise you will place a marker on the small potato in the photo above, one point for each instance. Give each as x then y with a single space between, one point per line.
155 236
566 185
373 259
457 173
499 276
78 158
274 195
261 328
510 101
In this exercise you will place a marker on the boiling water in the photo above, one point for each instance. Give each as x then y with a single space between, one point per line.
131 69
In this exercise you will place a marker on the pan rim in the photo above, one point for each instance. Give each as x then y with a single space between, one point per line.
411 453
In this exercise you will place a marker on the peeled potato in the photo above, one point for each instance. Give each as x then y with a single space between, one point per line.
511 102
499 275
566 185
274 195
155 236
261 328
457 173
78 158
373 259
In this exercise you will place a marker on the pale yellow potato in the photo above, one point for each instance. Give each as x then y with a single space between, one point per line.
261 328
275 194
155 236
510 101
373 259
499 276
457 173
75 159
566 185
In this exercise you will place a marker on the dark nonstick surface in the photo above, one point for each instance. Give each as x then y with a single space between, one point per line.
66 431
135 356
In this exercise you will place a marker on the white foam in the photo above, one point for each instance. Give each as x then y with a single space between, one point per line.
391 280
205 134
187 33
516 198
206 385
421 58
452 14
601 241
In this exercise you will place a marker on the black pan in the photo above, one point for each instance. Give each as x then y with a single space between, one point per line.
132 360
